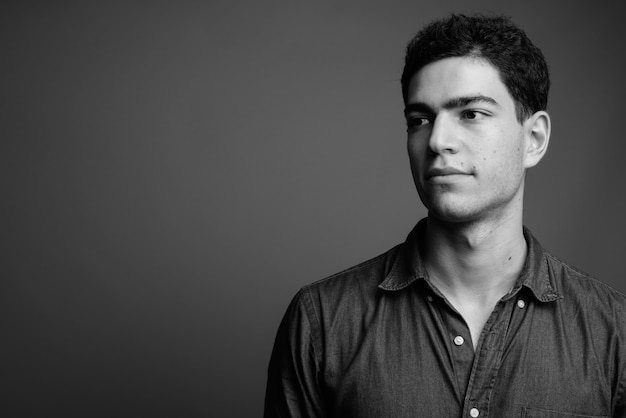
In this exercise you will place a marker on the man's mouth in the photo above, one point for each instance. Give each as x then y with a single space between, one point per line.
444 171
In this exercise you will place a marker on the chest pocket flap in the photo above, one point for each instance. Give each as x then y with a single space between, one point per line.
544 413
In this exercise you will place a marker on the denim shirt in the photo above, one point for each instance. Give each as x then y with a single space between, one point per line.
377 340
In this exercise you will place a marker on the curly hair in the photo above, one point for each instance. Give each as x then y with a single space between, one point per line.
521 65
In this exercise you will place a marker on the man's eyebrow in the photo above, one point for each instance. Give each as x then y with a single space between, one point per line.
453 103
463 101
418 107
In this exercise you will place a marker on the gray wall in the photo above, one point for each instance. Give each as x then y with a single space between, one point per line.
172 173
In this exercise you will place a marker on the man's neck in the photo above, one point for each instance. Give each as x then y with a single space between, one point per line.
479 261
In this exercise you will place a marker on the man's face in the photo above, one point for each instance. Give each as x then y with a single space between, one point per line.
465 144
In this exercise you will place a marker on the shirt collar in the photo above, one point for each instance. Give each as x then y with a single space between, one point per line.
408 267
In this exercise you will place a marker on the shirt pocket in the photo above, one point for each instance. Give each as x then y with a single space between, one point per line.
544 413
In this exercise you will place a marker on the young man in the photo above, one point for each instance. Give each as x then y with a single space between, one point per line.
469 317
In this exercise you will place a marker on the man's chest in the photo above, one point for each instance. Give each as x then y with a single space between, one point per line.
423 364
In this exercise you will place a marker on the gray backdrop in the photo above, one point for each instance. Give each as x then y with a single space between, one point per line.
173 172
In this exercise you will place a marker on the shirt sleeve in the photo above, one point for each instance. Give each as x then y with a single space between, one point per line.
620 405
619 402
294 374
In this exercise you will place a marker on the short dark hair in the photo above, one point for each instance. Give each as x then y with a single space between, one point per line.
522 66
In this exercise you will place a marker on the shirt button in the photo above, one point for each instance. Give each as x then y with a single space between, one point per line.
474 412
458 340
521 303
430 298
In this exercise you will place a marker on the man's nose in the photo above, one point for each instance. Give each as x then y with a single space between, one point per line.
443 137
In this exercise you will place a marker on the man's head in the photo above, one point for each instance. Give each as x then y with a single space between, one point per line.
474 92
521 65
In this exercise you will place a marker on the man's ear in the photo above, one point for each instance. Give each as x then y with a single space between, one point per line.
537 137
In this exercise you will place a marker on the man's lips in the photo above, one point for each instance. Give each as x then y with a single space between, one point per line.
444 171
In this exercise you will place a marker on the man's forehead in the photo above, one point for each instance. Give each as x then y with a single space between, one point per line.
449 78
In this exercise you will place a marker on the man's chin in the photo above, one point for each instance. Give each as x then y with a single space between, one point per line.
451 214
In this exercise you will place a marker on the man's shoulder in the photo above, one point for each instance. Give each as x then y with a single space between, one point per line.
360 280
575 285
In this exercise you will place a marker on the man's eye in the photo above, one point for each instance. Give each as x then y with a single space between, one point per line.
472 115
417 122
